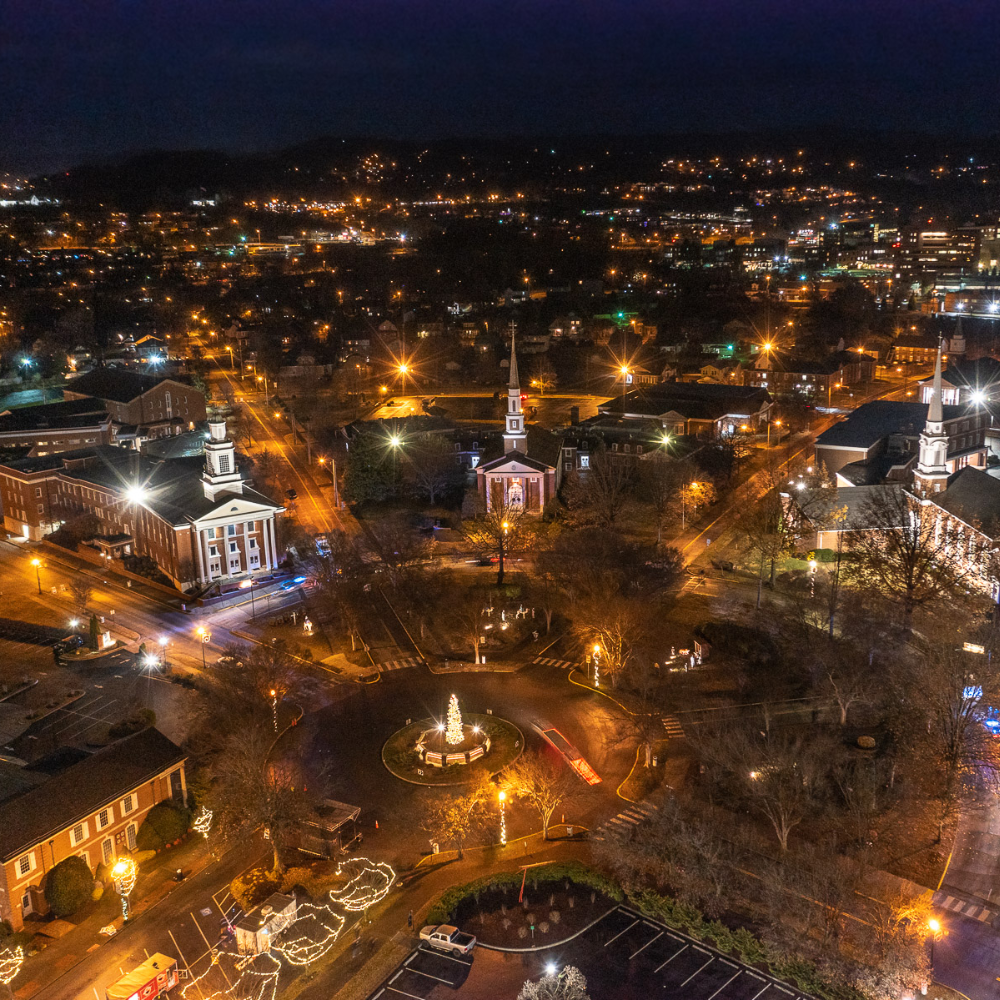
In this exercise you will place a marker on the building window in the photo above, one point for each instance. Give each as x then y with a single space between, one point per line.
223 463
231 529
104 817
212 550
26 864
233 547
78 834
127 804
584 461
253 543
130 836
251 526
38 491
109 851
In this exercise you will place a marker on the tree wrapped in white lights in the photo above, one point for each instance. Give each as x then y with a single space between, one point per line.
11 960
453 734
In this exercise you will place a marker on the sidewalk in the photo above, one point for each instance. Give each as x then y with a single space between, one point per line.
154 885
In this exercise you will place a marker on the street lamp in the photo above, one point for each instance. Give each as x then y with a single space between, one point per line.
503 819
249 585
124 875
38 573
934 926
205 636
777 423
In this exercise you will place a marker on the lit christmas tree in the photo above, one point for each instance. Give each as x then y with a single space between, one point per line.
454 734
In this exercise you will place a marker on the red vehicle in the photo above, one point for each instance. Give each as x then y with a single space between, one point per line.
151 979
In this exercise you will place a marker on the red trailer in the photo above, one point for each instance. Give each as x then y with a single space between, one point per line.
151 979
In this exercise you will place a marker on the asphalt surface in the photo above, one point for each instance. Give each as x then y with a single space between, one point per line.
623 956
340 746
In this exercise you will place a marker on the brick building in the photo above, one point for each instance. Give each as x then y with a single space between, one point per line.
93 808
198 530
55 427
155 405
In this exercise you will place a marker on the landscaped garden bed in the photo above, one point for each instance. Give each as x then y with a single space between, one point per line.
559 901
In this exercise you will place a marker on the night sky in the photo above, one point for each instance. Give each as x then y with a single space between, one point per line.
82 79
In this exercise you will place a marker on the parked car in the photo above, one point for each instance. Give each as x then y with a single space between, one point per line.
323 545
444 937
292 494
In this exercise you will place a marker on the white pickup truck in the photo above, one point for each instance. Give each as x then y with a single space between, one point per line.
448 938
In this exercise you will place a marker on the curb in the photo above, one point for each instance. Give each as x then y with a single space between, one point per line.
594 690
551 944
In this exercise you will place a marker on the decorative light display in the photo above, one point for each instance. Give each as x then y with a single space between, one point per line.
203 821
124 873
370 885
503 819
304 940
453 734
319 931
11 960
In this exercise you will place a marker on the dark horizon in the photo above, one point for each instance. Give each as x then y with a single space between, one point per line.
116 80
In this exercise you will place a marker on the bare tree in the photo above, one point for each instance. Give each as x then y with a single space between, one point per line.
432 469
81 590
570 984
398 546
453 818
249 794
499 531
544 783
600 495
612 627
909 553
464 614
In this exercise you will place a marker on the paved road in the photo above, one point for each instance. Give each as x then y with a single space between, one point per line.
179 915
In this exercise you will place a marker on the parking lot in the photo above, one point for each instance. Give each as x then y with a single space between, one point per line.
623 955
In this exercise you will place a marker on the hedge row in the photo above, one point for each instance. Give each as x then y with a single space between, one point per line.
579 874
741 942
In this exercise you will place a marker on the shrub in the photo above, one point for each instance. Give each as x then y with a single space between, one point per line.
135 723
252 887
573 871
164 824
97 892
68 886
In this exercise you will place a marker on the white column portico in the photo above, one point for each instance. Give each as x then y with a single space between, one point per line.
207 555
199 568
265 545
274 543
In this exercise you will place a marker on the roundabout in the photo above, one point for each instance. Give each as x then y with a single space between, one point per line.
429 752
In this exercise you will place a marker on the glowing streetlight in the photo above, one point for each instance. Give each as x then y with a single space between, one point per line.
935 930
205 637
502 796
124 875
394 440
38 573
136 494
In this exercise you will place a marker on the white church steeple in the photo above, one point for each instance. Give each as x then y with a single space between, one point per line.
221 474
514 436
931 474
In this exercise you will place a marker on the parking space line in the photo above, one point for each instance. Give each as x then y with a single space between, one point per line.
447 982
646 945
620 933
403 993
735 975
711 959
440 954
669 960
767 986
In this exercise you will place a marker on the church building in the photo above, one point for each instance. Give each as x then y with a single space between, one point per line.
517 478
